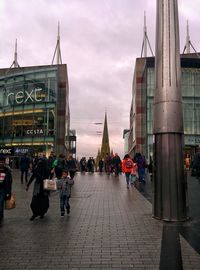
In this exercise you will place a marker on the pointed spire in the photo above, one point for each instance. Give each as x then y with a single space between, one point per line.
187 39
145 36
105 147
57 51
145 42
188 43
15 62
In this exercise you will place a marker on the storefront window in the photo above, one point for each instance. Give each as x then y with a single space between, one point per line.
24 105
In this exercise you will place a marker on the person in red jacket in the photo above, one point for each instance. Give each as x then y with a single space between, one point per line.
127 167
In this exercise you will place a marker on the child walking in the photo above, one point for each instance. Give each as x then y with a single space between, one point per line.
64 186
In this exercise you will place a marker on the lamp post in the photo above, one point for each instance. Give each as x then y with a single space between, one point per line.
169 180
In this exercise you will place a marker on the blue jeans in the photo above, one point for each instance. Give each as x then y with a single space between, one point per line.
2 201
141 173
127 175
64 203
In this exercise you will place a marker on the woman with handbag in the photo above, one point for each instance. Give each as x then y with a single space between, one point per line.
5 185
40 200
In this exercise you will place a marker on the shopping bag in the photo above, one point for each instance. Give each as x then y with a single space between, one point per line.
10 203
50 184
133 178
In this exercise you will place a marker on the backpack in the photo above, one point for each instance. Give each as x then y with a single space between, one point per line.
129 164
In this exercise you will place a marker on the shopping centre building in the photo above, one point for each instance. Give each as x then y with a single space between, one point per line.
34 109
141 113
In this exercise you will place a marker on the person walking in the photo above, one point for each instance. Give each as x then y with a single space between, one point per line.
24 167
107 164
141 164
5 185
83 165
71 166
127 167
59 165
64 186
40 200
101 165
116 161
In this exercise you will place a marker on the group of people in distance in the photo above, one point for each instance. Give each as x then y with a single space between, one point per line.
112 164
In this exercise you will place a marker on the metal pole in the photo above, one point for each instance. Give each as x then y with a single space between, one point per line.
169 181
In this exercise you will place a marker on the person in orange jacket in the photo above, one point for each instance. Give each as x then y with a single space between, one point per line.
127 168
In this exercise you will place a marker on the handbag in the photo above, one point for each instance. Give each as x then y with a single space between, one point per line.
50 184
10 203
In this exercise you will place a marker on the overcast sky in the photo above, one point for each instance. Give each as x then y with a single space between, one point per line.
100 40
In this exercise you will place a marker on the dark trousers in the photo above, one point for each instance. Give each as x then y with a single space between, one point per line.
64 203
2 201
22 176
72 173
116 170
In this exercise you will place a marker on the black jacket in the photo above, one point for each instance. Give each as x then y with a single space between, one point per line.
7 182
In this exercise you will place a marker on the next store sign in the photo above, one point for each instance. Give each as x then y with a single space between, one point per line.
21 97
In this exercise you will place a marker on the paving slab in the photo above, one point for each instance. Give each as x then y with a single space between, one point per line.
109 227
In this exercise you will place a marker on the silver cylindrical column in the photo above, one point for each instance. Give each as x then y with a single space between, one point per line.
169 181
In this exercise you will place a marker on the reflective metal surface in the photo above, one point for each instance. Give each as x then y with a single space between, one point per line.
169 183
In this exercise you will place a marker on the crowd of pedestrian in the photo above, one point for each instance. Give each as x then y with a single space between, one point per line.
110 165
62 169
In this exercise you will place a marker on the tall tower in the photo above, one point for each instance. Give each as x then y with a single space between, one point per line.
105 147
169 181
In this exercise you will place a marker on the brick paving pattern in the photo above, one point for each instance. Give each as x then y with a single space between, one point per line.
109 227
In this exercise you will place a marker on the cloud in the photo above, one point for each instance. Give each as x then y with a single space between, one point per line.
100 41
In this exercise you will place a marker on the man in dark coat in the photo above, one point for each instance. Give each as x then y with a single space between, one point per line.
5 185
24 167
116 161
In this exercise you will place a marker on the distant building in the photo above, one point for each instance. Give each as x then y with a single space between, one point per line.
72 142
141 114
34 109
126 137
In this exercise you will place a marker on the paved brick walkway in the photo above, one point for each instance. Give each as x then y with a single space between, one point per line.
109 227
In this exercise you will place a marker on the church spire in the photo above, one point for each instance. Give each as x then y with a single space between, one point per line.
105 147
57 51
15 62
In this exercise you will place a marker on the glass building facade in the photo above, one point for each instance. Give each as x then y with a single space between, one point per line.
190 68
31 104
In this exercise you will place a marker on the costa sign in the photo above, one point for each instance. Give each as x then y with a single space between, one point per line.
34 132
25 96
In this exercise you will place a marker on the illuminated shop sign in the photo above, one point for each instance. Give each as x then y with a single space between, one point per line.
6 151
21 97
35 132
192 140
21 150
